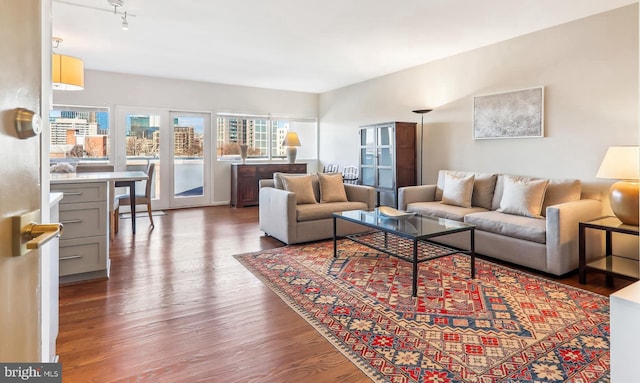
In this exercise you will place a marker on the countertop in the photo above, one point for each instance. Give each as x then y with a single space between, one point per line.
64 178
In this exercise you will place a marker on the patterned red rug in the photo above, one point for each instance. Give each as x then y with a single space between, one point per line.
503 326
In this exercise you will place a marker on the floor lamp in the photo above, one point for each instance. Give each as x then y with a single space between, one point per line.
421 112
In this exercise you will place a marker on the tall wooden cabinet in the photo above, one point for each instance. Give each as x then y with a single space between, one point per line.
388 158
245 177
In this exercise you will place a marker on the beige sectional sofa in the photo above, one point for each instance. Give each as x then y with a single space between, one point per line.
528 221
297 208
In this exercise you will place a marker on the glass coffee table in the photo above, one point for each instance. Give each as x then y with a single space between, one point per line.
406 238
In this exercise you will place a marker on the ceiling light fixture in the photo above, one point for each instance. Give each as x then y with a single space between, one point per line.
116 4
125 23
67 73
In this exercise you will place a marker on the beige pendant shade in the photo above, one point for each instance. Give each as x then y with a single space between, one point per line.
67 73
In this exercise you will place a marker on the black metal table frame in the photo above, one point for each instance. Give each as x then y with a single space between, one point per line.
414 259
583 265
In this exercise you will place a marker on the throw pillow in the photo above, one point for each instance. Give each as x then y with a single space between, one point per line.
278 183
332 188
561 191
457 190
302 188
522 196
483 187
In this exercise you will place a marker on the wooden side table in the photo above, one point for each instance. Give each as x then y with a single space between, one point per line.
610 264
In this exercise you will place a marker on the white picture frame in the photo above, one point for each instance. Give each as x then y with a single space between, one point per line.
513 114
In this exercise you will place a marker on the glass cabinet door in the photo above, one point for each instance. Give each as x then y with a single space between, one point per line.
368 156
385 158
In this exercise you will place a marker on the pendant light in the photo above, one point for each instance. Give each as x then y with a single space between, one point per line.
67 72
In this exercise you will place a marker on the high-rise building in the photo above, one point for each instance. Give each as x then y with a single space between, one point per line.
240 130
102 119
79 126
184 141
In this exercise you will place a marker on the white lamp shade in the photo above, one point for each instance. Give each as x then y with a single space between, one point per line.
620 163
291 139
67 73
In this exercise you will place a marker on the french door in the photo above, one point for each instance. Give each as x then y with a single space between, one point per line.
190 159
177 142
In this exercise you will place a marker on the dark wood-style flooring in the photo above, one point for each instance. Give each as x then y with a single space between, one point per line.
179 308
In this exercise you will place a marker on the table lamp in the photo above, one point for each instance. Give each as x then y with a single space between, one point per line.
291 140
621 163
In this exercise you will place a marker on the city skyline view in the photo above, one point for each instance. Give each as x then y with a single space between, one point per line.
86 134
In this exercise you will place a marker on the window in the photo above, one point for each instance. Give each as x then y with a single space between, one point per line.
306 133
79 132
263 136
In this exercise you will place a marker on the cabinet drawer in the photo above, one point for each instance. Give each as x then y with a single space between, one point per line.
244 171
298 168
83 255
83 220
74 193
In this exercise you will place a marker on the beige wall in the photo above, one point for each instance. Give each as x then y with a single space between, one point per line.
589 69
114 89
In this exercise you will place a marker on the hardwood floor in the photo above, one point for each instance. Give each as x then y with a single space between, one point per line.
179 308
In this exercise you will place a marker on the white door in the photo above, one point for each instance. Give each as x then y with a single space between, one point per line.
190 158
25 81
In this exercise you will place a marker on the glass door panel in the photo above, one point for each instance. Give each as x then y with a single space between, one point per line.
368 137
367 175
142 145
384 138
385 178
190 168
188 158
179 143
367 156
385 158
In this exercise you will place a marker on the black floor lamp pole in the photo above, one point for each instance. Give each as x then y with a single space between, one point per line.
421 112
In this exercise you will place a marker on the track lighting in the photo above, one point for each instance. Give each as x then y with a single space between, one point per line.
115 4
118 7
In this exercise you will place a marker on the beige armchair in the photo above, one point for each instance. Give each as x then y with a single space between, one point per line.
283 216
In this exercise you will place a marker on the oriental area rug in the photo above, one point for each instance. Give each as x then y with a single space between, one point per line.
503 326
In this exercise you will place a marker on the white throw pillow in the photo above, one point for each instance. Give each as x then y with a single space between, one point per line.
457 190
523 196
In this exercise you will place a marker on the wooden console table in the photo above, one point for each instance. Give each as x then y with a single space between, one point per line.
610 264
245 177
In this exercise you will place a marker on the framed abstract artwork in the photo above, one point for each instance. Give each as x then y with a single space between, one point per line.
515 114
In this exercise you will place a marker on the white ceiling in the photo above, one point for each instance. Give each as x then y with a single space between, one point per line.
302 45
